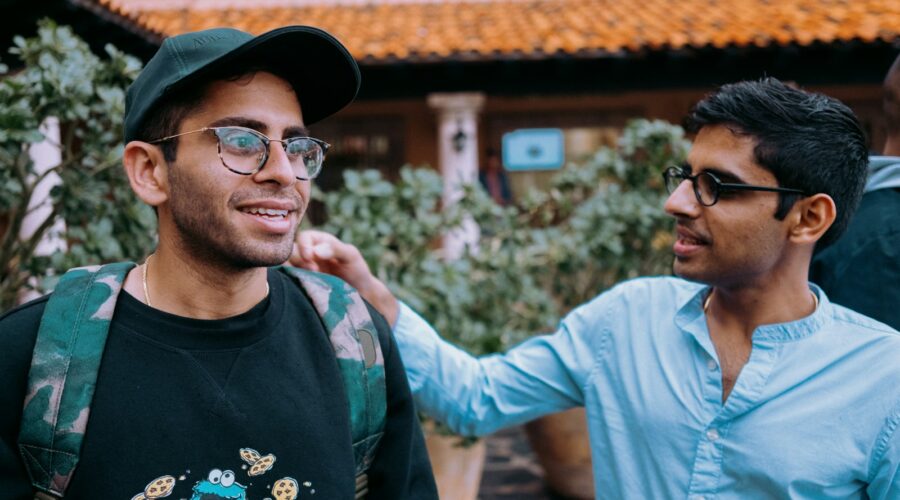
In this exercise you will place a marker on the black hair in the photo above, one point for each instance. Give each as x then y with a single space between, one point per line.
891 100
165 118
808 141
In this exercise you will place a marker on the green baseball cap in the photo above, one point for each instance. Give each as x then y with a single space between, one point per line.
323 73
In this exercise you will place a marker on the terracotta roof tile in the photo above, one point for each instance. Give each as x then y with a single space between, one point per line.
385 30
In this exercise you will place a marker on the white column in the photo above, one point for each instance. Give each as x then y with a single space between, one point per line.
45 155
458 157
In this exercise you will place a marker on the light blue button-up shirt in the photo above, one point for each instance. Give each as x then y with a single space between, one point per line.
813 415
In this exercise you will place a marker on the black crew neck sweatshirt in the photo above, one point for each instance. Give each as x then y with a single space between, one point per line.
182 397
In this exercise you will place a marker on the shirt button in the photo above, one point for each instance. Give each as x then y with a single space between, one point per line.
712 434
711 364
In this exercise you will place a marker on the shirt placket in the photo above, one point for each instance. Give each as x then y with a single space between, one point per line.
711 443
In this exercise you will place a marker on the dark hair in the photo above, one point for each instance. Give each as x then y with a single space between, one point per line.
165 120
891 100
808 141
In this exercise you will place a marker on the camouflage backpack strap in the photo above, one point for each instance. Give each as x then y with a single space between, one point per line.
361 362
63 373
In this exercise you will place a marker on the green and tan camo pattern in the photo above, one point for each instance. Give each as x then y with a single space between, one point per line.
355 342
64 370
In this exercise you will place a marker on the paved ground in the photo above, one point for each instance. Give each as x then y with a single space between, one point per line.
511 471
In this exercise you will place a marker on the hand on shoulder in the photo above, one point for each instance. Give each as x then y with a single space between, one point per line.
323 252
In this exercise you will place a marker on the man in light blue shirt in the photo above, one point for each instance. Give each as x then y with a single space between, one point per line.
738 380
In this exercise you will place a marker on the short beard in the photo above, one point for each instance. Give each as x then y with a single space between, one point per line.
194 239
196 236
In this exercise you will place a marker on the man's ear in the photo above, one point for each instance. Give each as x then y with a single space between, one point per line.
811 217
147 172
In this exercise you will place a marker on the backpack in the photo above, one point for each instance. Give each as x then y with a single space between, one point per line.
70 343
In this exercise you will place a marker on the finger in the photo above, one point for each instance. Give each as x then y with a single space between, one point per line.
343 253
324 251
305 242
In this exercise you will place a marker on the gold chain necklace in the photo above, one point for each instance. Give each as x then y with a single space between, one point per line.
147 292
709 297
144 278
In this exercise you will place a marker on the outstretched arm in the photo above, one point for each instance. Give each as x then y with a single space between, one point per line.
473 396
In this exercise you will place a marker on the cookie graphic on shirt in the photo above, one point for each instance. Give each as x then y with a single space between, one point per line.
250 455
262 465
160 487
285 488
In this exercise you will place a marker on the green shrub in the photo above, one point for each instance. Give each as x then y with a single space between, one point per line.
600 222
397 228
104 221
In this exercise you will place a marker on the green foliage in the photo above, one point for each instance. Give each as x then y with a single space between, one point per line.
600 222
397 227
104 221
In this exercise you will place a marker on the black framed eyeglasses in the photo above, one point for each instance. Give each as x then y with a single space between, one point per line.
245 151
708 187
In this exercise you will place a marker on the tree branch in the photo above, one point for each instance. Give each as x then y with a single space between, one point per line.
16 215
39 234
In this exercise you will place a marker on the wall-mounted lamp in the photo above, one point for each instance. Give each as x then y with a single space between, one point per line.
459 138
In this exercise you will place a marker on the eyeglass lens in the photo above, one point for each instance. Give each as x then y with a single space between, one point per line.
704 185
706 188
244 151
674 178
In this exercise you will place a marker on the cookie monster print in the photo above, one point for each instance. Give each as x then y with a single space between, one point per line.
219 485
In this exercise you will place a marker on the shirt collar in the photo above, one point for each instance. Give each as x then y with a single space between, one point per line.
691 319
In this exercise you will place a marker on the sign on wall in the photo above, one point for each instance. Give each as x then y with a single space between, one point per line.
533 149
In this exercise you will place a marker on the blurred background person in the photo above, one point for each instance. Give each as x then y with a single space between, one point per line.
862 269
494 179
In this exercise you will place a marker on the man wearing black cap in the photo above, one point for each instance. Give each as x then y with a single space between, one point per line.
221 378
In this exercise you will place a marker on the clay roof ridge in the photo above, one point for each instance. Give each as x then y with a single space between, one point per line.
426 31
112 11
133 6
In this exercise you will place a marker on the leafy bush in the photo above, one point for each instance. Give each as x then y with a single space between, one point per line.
397 228
600 222
104 221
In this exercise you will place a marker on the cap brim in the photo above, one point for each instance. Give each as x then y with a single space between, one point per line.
323 73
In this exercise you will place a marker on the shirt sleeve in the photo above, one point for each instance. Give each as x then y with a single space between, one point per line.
884 482
18 332
476 396
401 469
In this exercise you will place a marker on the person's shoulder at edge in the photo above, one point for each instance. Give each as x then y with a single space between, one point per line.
863 324
865 338
28 308
18 334
20 324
